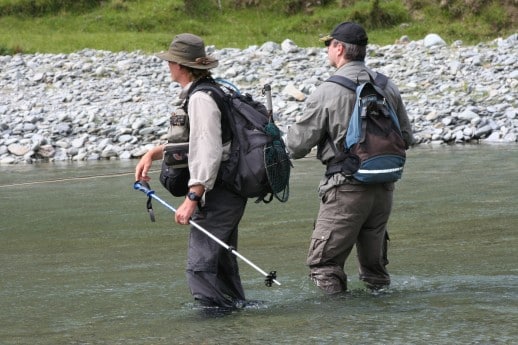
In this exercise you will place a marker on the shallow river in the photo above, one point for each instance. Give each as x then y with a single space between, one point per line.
81 262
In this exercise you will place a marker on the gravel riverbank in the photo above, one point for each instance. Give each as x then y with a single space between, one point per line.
92 104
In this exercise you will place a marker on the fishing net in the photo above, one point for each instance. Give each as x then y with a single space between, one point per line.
278 164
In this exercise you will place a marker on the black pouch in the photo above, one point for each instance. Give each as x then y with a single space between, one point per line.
175 180
346 164
176 155
174 175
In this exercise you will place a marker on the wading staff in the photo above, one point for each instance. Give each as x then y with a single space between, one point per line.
269 278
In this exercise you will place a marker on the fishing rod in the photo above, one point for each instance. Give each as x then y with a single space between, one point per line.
144 187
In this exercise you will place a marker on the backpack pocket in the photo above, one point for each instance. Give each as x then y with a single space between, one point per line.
380 169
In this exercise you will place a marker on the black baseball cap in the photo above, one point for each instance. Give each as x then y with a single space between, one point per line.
347 32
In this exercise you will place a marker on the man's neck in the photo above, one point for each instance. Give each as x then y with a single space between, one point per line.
341 63
184 79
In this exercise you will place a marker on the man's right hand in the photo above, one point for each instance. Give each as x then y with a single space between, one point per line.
143 166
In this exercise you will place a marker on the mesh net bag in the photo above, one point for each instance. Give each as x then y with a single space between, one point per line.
278 164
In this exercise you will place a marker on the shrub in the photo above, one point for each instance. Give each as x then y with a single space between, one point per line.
10 51
200 8
42 7
378 15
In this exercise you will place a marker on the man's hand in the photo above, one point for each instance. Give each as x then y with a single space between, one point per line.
143 166
185 211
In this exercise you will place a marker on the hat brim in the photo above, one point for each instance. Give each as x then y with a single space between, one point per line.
326 39
208 62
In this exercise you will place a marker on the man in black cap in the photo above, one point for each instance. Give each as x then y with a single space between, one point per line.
212 271
350 213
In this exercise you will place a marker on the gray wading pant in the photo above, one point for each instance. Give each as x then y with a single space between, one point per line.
351 214
212 271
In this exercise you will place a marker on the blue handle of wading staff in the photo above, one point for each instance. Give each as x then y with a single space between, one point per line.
143 186
270 277
151 194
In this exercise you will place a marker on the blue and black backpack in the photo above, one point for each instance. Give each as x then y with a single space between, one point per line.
374 149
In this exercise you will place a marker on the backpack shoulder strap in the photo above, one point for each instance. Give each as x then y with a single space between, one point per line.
344 81
348 84
381 80
210 87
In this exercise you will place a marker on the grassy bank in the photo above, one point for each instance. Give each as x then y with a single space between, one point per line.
55 26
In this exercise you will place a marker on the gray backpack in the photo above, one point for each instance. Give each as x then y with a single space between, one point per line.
259 165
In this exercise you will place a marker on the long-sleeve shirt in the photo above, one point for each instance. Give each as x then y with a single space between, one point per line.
206 150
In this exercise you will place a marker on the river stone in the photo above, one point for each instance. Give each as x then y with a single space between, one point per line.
18 150
46 151
433 40
292 91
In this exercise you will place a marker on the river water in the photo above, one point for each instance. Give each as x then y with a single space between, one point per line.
81 262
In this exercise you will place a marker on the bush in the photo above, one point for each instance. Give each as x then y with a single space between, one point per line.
497 18
378 16
37 8
200 8
291 7
10 51
5 51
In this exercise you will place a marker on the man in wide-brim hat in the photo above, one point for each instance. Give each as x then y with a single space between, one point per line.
188 50
212 273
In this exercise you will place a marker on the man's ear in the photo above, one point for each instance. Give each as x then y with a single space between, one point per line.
341 48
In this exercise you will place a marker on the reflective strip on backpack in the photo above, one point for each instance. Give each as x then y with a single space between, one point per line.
380 171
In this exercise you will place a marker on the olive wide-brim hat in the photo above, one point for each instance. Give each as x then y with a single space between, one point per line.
188 50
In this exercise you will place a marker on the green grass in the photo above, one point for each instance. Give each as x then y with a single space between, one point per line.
53 26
